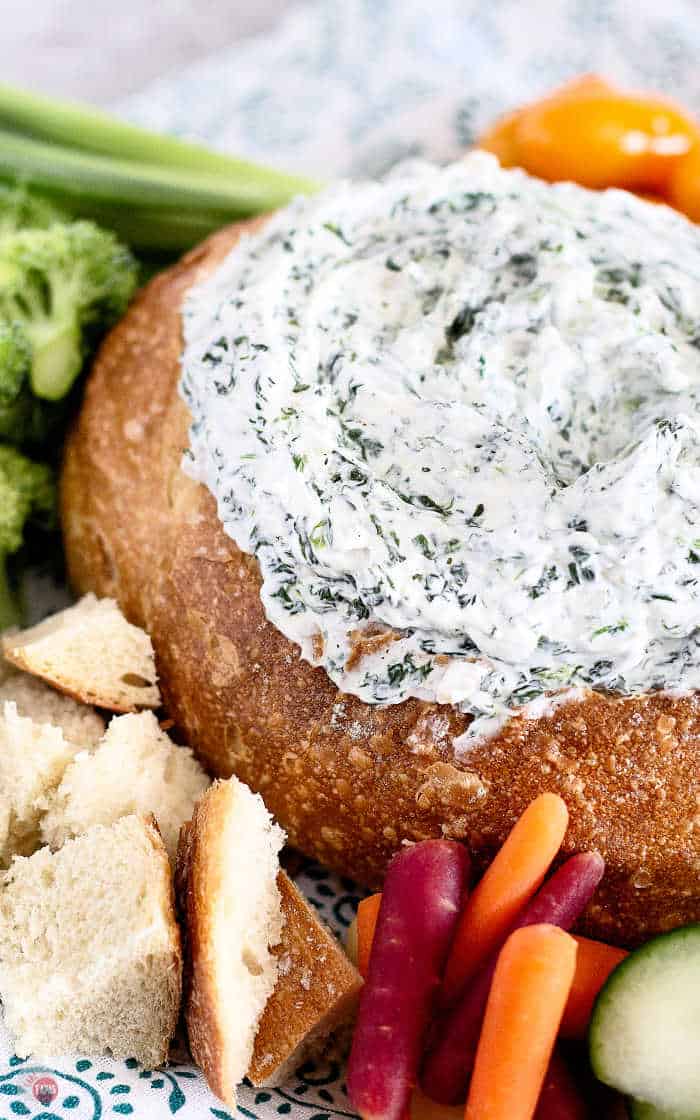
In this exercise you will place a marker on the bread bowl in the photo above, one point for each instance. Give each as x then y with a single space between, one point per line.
349 780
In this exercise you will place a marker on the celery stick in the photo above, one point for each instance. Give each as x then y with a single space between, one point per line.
149 206
78 126
148 231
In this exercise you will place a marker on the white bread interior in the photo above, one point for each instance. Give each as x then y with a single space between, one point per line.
33 758
136 768
92 653
35 699
90 958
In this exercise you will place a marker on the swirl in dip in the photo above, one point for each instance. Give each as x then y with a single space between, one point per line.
456 417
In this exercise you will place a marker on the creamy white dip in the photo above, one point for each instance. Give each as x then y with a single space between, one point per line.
463 405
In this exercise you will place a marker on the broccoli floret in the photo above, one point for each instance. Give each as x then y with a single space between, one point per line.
21 210
63 287
15 362
25 421
23 418
27 495
62 284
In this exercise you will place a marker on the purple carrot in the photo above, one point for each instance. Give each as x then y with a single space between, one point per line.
559 902
560 1098
423 893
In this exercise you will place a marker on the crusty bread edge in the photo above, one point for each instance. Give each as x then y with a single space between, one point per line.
199 991
123 699
76 692
168 907
338 973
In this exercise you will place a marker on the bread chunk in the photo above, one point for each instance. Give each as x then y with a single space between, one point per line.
90 652
33 758
135 769
36 700
90 958
229 902
316 992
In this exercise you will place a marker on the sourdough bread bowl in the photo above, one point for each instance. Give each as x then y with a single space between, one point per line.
349 781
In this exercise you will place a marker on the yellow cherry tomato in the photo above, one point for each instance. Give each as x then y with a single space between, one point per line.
684 186
500 137
601 138
500 140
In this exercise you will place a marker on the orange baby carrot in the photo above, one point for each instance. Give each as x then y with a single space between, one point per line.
594 962
509 883
530 987
367 914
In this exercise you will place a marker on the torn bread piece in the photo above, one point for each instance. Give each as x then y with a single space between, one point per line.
229 902
316 992
316 987
135 769
36 700
92 653
90 958
33 759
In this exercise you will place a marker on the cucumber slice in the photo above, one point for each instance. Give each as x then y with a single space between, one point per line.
644 1037
640 1110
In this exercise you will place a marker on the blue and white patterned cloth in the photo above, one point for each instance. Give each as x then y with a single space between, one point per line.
348 87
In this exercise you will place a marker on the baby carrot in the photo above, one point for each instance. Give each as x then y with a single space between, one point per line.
530 987
516 873
594 962
367 914
559 902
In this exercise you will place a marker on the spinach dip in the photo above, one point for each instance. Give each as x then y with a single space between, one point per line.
456 417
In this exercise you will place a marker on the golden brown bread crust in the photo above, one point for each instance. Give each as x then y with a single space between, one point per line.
349 782
316 992
200 999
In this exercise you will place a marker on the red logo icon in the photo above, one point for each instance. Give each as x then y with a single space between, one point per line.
44 1089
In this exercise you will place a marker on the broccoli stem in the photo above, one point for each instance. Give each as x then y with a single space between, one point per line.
57 358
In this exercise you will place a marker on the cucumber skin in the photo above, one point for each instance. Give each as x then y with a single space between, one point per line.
638 1110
